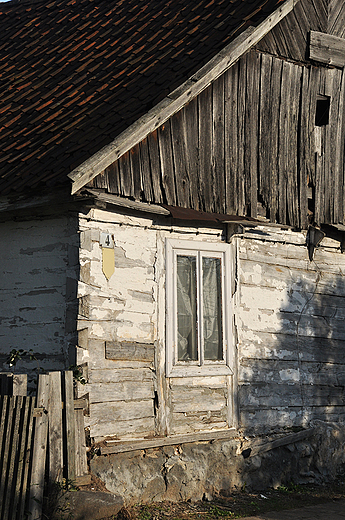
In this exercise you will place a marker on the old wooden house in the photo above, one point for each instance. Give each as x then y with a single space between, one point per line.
172 220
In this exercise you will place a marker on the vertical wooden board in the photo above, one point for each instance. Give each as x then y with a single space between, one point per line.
4 403
101 180
292 179
146 171
6 384
180 160
134 156
10 497
4 481
241 113
80 444
126 175
19 496
55 428
264 155
319 162
337 123
39 450
304 148
205 149
191 138
152 141
283 145
275 95
70 423
252 131
230 143
27 458
113 174
218 145
167 163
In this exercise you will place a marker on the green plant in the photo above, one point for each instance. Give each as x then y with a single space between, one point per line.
78 376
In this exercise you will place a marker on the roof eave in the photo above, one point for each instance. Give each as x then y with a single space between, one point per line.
135 133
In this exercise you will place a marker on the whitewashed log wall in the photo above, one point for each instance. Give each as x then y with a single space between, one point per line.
289 316
131 397
39 272
291 329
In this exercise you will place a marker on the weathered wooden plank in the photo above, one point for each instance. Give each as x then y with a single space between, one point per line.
114 182
283 146
20 382
186 422
112 412
304 148
281 346
81 467
4 482
218 145
118 375
70 424
6 384
10 498
241 126
152 142
337 132
27 456
167 163
251 132
205 149
265 133
187 399
136 171
124 429
273 108
191 138
39 450
326 48
121 446
283 441
180 160
55 428
122 391
280 371
231 138
146 171
125 175
129 350
292 177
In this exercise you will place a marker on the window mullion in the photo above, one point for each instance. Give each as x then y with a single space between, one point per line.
200 311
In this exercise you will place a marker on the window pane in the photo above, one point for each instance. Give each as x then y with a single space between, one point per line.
212 308
187 335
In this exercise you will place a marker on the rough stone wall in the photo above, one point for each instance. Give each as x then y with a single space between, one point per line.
39 272
206 469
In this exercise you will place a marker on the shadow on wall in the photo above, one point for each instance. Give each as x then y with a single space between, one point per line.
38 304
292 354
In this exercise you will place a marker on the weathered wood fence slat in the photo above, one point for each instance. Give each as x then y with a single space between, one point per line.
39 437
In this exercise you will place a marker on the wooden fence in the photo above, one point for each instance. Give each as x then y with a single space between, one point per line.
42 442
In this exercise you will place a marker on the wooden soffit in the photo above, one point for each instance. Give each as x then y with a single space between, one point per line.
88 170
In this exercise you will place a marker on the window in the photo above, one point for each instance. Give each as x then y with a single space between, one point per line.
198 308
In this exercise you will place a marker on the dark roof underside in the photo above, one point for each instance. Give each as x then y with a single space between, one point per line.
74 74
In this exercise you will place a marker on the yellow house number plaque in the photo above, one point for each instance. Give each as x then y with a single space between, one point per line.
108 254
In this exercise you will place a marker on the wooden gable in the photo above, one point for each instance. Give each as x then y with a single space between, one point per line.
249 142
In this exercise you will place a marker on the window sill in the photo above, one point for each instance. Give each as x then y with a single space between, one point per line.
197 371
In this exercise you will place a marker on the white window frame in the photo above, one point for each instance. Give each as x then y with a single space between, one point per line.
175 368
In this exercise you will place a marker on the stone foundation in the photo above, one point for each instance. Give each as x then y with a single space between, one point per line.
203 470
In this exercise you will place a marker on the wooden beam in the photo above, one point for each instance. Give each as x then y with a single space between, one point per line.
87 171
130 204
143 444
326 48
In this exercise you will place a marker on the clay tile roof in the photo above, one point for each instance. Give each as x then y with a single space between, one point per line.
75 73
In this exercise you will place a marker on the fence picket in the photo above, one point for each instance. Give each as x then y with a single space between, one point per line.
39 450
70 426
